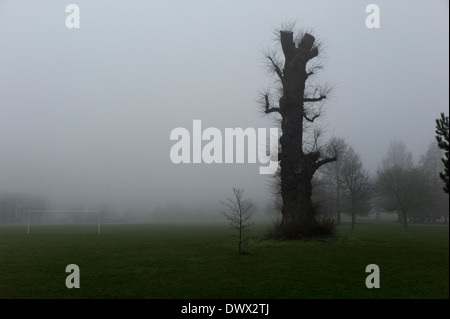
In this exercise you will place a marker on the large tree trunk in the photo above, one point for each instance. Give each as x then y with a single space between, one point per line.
353 216
297 168
338 202
404 218
296 191
377 215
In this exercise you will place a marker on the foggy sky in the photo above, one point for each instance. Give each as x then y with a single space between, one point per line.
86 114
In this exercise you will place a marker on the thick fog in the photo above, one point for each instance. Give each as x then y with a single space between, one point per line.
86 114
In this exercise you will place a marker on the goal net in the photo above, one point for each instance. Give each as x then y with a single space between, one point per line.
95 213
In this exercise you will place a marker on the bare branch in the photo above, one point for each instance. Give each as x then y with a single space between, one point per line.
312 113
317 99
312 142
276 68
315 92
313 70
268 108
325 161
311 119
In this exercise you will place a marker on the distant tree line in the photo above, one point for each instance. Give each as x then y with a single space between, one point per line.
14 207
411 191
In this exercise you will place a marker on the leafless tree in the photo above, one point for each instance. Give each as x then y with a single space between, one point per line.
332 174
357 180
14 207
238 215
400 184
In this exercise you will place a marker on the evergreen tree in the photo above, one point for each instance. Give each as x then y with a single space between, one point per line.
442 139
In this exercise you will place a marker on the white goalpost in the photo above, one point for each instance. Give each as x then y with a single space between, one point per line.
64 212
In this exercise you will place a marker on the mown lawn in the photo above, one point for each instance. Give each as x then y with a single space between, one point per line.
198 261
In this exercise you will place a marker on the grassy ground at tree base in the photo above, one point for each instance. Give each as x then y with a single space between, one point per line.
199 261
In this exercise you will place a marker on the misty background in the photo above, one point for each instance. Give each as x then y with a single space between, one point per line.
86 114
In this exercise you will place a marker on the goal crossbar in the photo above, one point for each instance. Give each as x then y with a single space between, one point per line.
65 212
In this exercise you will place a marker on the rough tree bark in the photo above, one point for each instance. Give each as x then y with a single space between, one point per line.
297 167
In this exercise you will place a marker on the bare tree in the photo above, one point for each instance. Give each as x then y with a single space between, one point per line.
238 214
358 182
299 105
400 184
376 203
14 207
332 174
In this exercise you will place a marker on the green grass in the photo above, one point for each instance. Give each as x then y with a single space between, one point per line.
195 261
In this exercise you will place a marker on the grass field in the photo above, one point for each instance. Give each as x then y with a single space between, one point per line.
195 261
